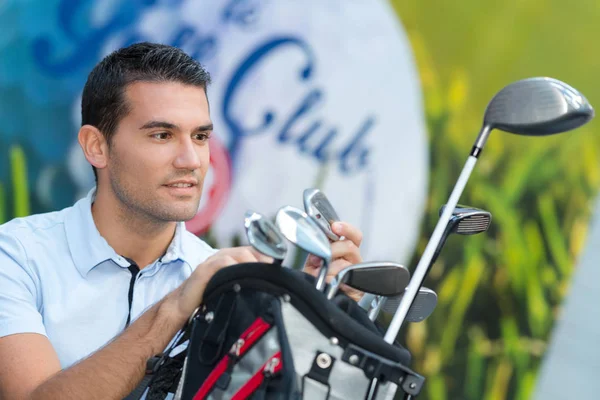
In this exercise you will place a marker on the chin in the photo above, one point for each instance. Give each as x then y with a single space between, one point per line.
181 215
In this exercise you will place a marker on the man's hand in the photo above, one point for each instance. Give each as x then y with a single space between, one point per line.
188 296
343 254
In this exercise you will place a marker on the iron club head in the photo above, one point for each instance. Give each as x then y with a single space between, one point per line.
300 229
382 278
264 236
317 206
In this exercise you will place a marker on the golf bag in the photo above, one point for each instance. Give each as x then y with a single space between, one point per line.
265 332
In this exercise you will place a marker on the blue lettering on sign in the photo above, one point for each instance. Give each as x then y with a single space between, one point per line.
320 140
320 144
87 45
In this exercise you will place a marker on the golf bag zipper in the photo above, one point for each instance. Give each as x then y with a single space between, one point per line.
223 369
261 379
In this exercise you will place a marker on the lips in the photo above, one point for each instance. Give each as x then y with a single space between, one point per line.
180 185
182 188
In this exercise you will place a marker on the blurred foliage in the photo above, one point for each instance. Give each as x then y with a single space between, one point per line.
500 292
18 205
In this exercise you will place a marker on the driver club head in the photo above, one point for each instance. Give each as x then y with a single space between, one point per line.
317 206
303 231
423 306
383 278
537 107
264 236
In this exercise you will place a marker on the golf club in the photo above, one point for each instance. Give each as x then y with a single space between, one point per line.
318 207
382 278
264 236
303 231
464 221
532 107
421 309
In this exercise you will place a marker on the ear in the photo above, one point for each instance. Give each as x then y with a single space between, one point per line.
94 146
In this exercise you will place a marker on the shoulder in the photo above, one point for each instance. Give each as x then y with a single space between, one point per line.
32 229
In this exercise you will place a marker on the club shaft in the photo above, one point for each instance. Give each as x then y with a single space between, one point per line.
374 313
423 265
366 301
322 276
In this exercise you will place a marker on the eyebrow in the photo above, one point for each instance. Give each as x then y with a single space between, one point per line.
168 125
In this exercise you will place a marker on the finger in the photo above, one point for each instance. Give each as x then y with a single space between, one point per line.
221 262
250 254
348 231
336 267
354 294
313 262
242 254
260 256
346 250
211 266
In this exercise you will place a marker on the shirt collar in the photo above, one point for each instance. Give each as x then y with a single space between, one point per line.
89 249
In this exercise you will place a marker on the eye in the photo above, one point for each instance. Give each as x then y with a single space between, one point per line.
161 135
202 136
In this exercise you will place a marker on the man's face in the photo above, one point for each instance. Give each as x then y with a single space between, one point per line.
159 153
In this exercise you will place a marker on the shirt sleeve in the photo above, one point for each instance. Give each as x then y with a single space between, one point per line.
19 295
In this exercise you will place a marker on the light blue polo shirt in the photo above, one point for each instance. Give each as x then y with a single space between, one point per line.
61 279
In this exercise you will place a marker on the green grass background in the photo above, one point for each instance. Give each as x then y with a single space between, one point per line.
500 293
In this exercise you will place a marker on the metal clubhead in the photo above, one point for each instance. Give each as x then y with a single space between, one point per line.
264 236
317 205
304 232
535 107
421 308
381 278
468 220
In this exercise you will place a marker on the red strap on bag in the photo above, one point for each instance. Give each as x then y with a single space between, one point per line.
271 367
250 336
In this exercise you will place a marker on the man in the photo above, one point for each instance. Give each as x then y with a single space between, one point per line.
89 293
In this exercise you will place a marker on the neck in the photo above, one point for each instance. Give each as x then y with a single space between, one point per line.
130 234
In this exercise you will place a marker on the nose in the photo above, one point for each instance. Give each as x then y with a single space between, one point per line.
188 156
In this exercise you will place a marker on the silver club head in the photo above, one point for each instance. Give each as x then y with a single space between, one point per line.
317 205
468 220
264 236
535 107
382 278
303 231
423 306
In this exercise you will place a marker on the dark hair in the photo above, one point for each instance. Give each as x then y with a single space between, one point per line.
103 102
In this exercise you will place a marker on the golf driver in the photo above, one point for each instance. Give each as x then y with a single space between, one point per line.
304 232
382 278
317 206
264 236
532 107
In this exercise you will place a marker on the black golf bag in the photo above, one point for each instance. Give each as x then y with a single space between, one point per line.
265 332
